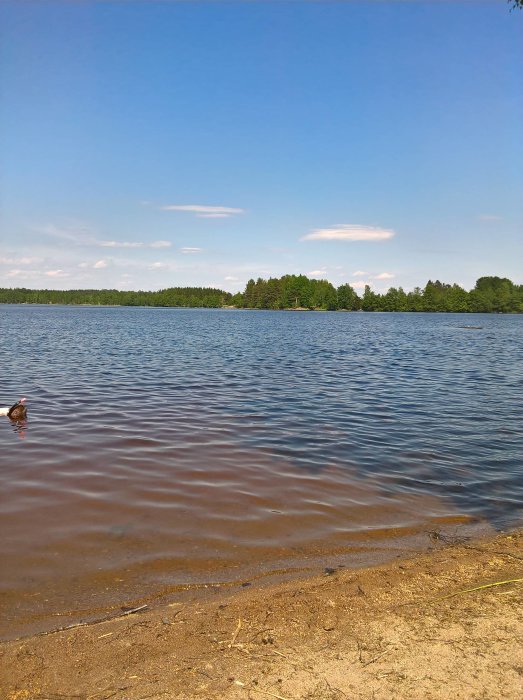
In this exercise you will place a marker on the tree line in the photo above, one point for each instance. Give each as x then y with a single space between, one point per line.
174 296
490 295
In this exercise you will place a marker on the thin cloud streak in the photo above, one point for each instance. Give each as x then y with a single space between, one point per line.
203 211
349 232
23 274
19 261
133 244
120 244
83 237
57 273
160 244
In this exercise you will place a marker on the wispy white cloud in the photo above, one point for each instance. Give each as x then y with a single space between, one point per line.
22 274
189 251
83 236
349 232
76 233
133 244
203 211
19 261
118 263
57 273
489 217
317 273
359 285
231 278
370 276
120 244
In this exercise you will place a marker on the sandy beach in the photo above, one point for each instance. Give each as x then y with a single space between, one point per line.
405 630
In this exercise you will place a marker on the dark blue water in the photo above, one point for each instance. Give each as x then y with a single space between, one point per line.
173 446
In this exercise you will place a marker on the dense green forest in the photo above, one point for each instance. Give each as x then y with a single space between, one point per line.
490 295
174 296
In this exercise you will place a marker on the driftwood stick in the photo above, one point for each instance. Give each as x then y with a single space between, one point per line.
236 632
478 588
133 610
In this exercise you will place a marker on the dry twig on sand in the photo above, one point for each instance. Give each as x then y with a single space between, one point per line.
477 588
236 632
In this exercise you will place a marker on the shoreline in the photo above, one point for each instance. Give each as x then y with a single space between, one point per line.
228 307
56 605
406 629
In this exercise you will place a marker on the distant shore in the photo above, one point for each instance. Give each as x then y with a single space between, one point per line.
231 307
296 293
444 624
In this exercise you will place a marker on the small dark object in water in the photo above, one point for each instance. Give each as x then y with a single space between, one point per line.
16 412
472 328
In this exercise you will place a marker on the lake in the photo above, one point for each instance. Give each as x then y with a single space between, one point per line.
169 450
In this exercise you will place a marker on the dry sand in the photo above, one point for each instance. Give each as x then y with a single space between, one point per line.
401 631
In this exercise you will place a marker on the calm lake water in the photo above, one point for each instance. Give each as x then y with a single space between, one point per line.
166 449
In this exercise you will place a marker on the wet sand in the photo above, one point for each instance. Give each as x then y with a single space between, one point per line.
405 630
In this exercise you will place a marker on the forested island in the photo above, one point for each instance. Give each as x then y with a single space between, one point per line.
489 295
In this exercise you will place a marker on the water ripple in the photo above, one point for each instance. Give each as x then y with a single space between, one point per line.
165 444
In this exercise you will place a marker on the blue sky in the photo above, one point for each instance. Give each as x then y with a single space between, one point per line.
153 144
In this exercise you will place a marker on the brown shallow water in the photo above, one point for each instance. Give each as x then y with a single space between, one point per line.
169 449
